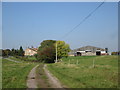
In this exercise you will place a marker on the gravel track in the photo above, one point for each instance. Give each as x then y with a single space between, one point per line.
52 79
31 82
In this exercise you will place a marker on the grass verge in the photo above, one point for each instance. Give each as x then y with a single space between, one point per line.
78 72
14 75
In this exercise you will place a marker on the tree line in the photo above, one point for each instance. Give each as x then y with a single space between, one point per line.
13 52
115 53
46 52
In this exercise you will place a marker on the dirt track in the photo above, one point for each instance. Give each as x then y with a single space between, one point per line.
31 82
52 80
12 60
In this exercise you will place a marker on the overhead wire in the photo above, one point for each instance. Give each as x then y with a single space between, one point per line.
83 19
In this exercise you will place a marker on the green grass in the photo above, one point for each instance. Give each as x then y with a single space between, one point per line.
83 75
31 58
24 59
14 75
0 73
16 59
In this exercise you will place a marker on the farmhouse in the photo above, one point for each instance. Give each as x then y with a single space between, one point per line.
89 51
30 51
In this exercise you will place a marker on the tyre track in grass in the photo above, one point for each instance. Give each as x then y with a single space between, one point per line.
55 83
12 60
31 82
52 80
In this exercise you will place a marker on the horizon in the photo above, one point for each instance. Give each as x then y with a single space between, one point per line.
28 24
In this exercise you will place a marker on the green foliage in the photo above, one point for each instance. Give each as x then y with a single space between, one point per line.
35 55
46 52
13 52
47 43
21 51
114 53
6 52
62 49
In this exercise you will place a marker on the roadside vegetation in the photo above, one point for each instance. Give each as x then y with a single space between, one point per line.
14 75
87 71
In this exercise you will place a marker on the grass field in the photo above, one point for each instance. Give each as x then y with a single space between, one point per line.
29 58
14 75
0 72
87 71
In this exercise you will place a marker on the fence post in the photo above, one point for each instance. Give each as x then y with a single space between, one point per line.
69 61
93 63
77 62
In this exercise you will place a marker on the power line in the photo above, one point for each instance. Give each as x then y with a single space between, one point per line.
84 19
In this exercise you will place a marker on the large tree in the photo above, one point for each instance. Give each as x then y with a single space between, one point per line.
62 49
47 50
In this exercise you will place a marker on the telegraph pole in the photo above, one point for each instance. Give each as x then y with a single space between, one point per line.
56 52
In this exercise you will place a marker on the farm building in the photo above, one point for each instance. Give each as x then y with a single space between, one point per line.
30 51
88 51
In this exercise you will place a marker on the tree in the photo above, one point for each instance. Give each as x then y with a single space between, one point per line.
114 53
62 49
21 51
6 52
13 52
46 51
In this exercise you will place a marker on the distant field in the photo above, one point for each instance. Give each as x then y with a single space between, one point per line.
87 71
14 75
29 58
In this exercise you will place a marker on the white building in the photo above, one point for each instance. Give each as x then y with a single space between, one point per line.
90 51
30 51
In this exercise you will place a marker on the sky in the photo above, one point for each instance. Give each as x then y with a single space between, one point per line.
27 24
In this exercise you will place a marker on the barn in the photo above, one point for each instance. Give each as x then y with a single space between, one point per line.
89 51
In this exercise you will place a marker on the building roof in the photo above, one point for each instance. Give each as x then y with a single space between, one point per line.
34 49
92 48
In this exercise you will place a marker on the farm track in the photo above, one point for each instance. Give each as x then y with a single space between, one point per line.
31 82
55 82
12 60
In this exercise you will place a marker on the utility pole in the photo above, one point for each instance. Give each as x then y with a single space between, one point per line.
56 52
